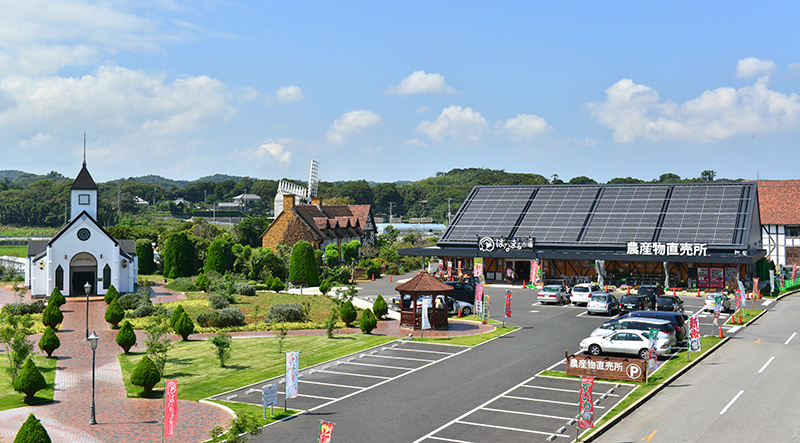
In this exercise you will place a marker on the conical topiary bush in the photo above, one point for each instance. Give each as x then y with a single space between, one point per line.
32 431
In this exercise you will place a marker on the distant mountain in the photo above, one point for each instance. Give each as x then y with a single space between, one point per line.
216 178
159 180
13 174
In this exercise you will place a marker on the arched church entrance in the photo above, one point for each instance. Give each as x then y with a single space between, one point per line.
82 269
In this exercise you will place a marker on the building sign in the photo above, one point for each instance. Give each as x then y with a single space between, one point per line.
672 248
612 368
489 244
586 407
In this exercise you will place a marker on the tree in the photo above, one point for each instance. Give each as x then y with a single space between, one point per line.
52 316
146 374
220 255
114 314
32 431
144 251
581 180
708 175
222 344
111 295
239 428
380 308
29 380
350 251
202 282
176 314
248 231
303 265
14 336
49 341
126 336
325 286
179 255
348 313
184 326
367 322
331 255
157 343
669 178
57 298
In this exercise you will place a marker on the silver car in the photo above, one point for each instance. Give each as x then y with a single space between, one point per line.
626 341
553 294
583 292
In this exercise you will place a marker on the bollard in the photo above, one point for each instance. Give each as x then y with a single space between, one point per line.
390 278
629 290
674 292
698 292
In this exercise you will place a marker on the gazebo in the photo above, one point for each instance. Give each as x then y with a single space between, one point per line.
423 284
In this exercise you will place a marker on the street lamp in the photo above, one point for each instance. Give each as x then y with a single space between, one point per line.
93 343
88 289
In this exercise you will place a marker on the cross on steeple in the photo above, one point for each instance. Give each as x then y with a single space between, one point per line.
84 149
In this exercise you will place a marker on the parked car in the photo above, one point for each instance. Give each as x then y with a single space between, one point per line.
650 292
583 292
665 328
676 319
462 291
709 303
626 341
630 303
603 304
671 303
553 294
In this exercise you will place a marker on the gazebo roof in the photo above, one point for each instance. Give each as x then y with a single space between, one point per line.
423 283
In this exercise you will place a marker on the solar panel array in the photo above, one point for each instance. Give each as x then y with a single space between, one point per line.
557 214
492 211
705 214
713 214
625 214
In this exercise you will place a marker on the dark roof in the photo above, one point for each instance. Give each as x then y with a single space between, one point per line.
423 283
84 180
128 246
777 200
36 246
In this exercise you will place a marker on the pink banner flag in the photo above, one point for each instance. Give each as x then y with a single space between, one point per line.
170 407
508 304
586 408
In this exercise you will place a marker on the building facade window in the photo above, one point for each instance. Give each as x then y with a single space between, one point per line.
83 199
106 276
793 231
60 278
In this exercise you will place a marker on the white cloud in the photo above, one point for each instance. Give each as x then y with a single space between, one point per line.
423 109
590 142
420 82
635 111
352 123
415 142
754 67
289 94
526 126
457 123
275 150
794 66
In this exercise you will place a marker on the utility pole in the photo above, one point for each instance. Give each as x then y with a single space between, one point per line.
119 209
449 215
391 206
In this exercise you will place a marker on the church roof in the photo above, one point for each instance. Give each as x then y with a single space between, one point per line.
84 180
35 247
128 246
74 220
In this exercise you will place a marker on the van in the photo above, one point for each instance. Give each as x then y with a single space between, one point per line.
677 319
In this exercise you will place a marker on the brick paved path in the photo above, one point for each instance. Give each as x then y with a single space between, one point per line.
120 419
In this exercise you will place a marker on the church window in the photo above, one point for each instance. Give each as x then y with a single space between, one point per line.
60 278
106 276
83 199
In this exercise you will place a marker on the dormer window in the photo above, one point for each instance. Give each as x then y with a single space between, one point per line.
83 199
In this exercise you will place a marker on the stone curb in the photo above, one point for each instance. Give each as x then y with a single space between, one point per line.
213 403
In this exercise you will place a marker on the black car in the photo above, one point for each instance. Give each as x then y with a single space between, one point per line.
677 319
630 303
462 291
671 303
650 292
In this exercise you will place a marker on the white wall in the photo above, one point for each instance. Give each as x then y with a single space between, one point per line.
76 208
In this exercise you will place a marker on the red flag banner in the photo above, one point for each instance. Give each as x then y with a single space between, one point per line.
325 431
586 407
170 407
794 271
508 304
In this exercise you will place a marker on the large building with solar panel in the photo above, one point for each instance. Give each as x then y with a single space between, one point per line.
697 235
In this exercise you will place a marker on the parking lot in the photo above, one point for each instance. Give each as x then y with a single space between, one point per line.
327 383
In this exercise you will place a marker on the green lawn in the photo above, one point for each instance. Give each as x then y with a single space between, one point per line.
10 399
469 340
195 365
244 408
14 251
747 315
23 230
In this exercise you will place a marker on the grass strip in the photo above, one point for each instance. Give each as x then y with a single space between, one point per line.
257 411
469 340
747 316
10 399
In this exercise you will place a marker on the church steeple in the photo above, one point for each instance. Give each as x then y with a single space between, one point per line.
84 190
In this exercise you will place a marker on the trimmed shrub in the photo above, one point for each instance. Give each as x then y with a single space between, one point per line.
219 257
144 250
111 294
348 313
49 341
180 259
325 286
126 337
223 318
286 312
29 380
339 274
32 431
330 323
270 282
202 282
145 310
218 301
380 308
57 297
146 374
183 284
114 314
132 300
52 316
244 289
222 344
184 326
277 285
367 322
303 265
24 308
176 314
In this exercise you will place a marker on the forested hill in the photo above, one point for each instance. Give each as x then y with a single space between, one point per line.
28 199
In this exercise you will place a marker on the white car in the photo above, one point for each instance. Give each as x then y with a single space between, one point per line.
553 294
665 329
708 304
583 292
626 341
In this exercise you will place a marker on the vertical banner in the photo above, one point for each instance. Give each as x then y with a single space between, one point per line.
478 268
325 431
479 299
717 309
585 404
771 281
756 291
534 273
508 304
742 293
485 310
794 271
652 355
292 370
170 407
449 270
426 309
694 334
737 302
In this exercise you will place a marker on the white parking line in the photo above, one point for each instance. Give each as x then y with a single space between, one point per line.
355 375
767 302
571 391
309 396
766 364
418 350
533 312
330 384
504 411
730 403
734 329
377 366
449 439
582 314
514 397
556 364
400 358
506 428
790 338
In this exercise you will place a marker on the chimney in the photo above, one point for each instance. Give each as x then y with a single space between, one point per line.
316 201
288 202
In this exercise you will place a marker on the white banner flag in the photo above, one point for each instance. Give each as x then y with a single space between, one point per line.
426 307
742 292
292 370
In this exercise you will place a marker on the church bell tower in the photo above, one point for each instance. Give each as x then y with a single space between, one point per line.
83 191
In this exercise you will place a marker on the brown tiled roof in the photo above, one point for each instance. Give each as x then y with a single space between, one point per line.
334 220
423 283
777 202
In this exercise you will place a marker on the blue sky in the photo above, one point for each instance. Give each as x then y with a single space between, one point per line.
398 91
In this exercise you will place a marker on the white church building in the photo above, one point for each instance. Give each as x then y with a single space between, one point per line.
81 252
